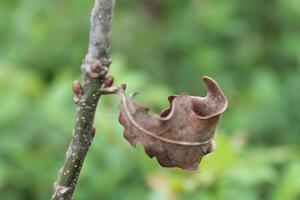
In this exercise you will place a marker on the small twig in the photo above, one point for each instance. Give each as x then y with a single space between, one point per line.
94 70
113 90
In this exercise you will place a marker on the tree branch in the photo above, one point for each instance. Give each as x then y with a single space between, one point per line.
94 69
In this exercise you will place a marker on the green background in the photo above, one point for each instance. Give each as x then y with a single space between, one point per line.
160 47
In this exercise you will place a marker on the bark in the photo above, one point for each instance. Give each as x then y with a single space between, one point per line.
94 70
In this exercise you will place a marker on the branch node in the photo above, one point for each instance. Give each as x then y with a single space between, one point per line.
78 91
94 67
109 81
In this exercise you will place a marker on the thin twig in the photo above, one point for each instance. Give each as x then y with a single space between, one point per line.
94 69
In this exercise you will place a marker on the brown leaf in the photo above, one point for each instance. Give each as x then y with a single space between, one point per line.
183 133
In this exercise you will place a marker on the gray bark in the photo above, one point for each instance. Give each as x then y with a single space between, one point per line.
94 70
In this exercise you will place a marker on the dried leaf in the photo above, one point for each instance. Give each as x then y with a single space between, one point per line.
182 134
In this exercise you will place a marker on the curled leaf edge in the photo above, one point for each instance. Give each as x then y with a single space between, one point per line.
207 80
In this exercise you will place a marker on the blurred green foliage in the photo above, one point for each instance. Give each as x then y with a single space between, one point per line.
252 48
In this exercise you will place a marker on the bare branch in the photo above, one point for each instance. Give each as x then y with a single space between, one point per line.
94 69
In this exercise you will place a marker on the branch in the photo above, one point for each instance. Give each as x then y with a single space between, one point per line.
94 69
